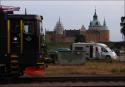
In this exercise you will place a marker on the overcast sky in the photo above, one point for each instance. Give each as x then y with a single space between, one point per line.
74 14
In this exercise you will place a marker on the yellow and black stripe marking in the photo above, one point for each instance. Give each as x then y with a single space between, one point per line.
21 37
8 36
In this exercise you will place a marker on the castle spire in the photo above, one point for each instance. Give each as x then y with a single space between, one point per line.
95 12
95 22
25 11
59 19
59 29
90 23
95 17
104 23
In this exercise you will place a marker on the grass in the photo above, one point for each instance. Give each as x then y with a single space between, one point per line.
118 70
89 68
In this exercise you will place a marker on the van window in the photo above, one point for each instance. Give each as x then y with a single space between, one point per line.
104 50
87 46
78 48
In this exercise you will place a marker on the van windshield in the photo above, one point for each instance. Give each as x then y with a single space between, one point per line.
108 49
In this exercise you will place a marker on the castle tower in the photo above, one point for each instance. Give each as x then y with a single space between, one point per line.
83 28
95 17
59 29
95 22
105 25
96 31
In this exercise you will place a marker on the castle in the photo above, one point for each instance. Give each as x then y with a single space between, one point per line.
95 33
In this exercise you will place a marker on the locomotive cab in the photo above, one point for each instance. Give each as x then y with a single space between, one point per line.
21 42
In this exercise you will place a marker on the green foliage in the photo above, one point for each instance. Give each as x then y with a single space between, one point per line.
123 30
109 60
55 45
80 38
123 25
47 38
44 47
113 45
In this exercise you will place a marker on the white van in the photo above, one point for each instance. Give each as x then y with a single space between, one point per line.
95 50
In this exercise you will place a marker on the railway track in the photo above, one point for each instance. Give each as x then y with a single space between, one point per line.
69 81
68 84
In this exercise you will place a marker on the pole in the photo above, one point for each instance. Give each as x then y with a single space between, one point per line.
0 4
124 25
124 7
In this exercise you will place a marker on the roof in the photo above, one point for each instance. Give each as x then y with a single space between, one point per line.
100 44
95 21
72 33
23 16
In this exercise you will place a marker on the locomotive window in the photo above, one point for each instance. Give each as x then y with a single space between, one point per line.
26 28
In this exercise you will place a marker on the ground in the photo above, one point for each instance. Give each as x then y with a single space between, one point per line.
89 68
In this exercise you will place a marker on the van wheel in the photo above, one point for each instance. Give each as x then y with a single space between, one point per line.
109 58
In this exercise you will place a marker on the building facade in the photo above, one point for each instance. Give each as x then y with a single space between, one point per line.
95 33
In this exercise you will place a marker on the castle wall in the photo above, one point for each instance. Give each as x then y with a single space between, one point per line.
97 35
92 35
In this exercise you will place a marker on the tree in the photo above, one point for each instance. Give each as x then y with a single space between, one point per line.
123 30
123 26
80 38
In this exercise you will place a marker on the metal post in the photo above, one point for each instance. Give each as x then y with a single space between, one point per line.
0 3
21 33
124 7
8 36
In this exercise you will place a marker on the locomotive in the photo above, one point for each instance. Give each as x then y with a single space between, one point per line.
21 42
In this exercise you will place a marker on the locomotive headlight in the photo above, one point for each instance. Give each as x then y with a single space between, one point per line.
15 38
